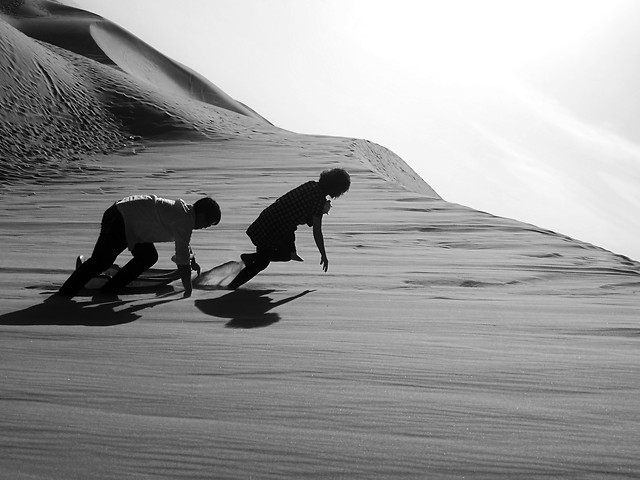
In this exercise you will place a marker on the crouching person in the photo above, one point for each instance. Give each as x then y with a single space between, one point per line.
136 223
273 232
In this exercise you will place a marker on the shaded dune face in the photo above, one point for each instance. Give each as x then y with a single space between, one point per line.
91 36
144 62
49 111
54 23
67 97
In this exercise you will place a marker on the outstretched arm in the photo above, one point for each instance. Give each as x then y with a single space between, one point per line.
319 239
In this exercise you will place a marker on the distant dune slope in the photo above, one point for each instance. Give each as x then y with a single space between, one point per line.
144 62
97 38
73 83
47 109
57 105
391 167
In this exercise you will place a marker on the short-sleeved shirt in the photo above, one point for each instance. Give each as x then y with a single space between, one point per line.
282 217
149 219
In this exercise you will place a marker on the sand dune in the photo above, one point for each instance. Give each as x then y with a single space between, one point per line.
99 39
443 342
140 60
59 104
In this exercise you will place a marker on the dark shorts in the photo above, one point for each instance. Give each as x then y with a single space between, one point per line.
279 249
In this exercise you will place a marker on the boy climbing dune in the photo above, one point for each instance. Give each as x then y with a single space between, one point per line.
137 222
273 232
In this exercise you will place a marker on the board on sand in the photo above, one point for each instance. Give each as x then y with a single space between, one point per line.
218 277
151 278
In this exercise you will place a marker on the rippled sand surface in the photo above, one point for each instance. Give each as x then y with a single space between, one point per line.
442 343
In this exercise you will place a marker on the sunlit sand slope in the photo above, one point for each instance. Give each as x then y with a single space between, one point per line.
442 343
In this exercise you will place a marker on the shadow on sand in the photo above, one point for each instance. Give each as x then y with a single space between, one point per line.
246 308
59 311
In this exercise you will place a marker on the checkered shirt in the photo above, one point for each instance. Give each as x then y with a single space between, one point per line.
282 217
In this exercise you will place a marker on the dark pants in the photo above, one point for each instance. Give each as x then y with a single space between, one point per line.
111 243
265 254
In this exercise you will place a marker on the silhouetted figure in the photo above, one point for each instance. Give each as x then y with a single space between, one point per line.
273 232
137 222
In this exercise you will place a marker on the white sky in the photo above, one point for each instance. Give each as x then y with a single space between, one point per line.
498 104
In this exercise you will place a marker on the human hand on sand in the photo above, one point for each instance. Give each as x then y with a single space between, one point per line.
324 261
195 266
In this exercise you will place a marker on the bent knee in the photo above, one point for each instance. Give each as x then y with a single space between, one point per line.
145 253
96 265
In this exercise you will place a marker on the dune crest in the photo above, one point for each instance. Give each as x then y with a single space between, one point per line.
391 166
144 62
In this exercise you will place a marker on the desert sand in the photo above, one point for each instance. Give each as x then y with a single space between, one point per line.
443 342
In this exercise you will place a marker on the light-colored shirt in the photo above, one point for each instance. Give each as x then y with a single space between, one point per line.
150 219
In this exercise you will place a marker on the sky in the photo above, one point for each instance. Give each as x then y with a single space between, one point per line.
521 108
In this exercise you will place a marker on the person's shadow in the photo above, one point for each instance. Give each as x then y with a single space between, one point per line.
60 311
245 308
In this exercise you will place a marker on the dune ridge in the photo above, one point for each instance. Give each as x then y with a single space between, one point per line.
140 60
438 332
391 167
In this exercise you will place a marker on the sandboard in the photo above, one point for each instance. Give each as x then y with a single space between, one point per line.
150 279
218 277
